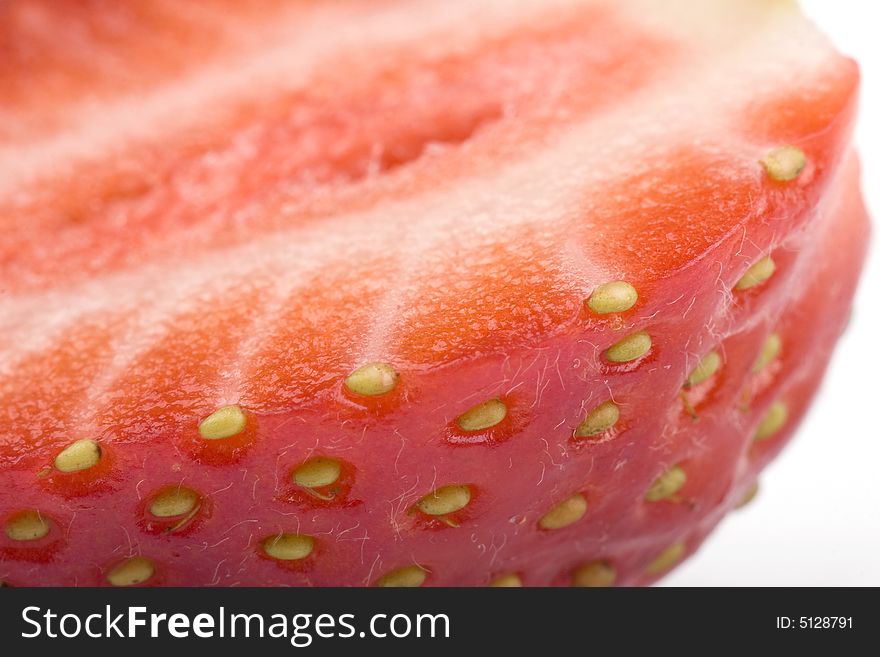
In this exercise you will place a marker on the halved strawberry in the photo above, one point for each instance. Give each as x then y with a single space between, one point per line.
408 293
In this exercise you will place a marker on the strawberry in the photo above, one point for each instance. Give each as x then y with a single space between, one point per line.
404 293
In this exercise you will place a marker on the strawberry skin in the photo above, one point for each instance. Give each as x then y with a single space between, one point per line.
467 295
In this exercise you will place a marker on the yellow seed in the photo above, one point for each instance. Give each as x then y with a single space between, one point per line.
667 484
317 472
594 574
406 577
372 379
599 420
483 416
773 420
446 499
288 547
223 423
704 369
174 502
631 347
613 297
27 526
78 455
568 511
509 581
769 351
784 163
666 559
757 273
748 497
132 571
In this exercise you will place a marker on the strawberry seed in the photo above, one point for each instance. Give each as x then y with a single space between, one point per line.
598 420
406 577
757 274
704 369
372 380
317 472
288 547
772 422
613 297
445 500
78 455
769 351
565 513
666 485
27 526
785 163
223 423
483 416
509 581
132 571
594 574
666 559
630 348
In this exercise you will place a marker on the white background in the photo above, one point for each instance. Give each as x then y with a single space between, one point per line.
816 520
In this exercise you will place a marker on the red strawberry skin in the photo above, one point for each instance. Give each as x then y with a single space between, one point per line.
446 206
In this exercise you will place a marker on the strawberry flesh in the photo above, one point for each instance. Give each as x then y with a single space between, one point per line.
212 208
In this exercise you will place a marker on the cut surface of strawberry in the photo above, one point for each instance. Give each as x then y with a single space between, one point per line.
408 293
